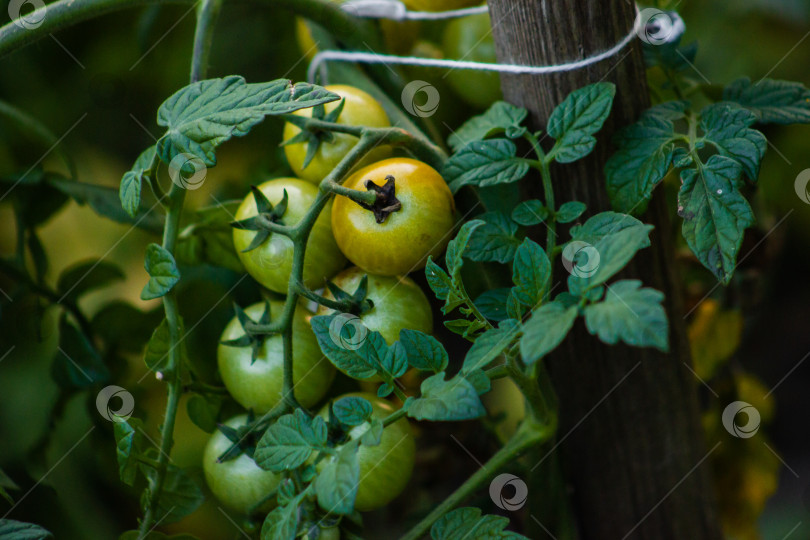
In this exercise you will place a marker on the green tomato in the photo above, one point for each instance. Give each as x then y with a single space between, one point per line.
258 385
360 109
323 533
470 38
399 303
239 483
271 263
385 469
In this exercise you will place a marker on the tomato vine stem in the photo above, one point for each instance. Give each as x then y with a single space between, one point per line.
207 13
529 433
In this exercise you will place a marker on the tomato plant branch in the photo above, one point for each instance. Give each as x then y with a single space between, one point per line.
206 18
548 192
421 148
364 197
528 434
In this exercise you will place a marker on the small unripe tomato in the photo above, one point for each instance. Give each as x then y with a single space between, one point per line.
360 109
399 303
402 242
239 483
470 38
323 533
271 263
259 385
385 469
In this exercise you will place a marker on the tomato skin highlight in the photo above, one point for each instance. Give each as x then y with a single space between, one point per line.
360 109
271 263
259 385
402 243
238 483
385 469
399 303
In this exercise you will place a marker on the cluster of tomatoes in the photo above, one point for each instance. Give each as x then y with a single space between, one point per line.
384 251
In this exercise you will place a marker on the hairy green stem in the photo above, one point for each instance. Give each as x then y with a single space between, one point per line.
206 19
364 197
394 416
529 433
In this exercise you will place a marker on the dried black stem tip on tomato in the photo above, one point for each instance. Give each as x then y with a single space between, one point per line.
386 202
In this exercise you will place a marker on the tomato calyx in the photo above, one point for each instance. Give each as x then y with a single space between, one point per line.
267 215
354 303
386 202
251 339
243 439
313 136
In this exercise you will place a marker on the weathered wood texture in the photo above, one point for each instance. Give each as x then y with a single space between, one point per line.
631 447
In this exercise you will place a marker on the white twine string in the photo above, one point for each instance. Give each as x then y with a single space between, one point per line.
395 10
318 62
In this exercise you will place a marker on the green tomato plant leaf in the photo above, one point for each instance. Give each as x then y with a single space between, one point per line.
545 330
489 345
162 270
159 347
289 442
574 122
468 524
715 214
570 211
127 443
492 304
130 189
336 485
203 115
352 411
18 530
631 314
179 497
612 252
528 213
282 522
424 352
727 128
605 224
443 400
494 240
772 101
485 163
500 118
531 273
645 152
